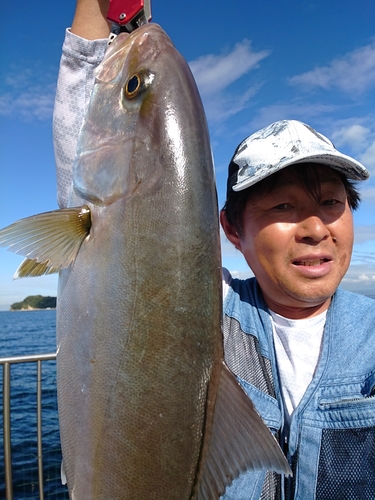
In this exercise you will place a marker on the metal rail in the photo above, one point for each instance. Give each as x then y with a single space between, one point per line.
7 362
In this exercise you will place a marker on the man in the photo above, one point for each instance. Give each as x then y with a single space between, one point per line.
302 349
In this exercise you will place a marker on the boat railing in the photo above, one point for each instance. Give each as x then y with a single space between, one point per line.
7 362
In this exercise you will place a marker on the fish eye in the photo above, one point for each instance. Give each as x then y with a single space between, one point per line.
137 84
133 86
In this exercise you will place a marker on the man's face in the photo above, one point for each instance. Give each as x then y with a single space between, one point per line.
298 248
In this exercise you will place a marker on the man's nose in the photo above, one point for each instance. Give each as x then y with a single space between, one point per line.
312 228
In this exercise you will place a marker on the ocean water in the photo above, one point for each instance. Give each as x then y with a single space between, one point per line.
21 333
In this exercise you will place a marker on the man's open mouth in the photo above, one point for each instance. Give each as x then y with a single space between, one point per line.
315 262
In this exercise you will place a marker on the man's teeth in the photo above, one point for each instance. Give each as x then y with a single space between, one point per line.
316 262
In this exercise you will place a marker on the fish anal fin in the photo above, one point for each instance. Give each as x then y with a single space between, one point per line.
50 241
239 440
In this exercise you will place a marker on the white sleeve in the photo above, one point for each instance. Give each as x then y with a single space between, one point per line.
76 78
227 278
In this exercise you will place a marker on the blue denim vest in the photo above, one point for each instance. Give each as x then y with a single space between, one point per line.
331 444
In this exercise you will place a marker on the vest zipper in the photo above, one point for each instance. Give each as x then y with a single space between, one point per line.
344 402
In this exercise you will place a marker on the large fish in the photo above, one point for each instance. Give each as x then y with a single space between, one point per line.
147 407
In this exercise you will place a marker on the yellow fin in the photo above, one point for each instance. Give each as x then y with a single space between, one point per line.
49 241
31 268
239 441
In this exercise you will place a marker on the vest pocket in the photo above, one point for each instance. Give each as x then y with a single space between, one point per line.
346 464
350 403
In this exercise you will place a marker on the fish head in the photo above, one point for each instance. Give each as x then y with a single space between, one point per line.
132 124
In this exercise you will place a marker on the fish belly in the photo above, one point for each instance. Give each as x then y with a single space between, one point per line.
138 338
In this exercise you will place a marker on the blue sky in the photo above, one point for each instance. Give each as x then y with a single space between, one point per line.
258 62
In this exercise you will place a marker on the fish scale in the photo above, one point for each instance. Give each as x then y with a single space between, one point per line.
147 355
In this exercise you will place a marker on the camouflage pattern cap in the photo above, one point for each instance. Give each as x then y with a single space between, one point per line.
282 144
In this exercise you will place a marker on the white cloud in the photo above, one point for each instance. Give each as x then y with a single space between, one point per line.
293 110
353 73
37 102
360 278
355 135
28 94
215 73
364 277
359 135
242 275
368 157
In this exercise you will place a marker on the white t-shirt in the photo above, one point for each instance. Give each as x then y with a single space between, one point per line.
297 345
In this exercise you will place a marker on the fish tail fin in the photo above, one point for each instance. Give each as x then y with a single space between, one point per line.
239 441
50 241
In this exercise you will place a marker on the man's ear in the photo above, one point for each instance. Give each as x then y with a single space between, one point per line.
230 232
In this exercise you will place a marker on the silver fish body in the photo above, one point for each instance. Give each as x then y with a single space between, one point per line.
139 312
147 406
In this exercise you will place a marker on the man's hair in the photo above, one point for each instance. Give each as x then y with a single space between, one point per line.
305 173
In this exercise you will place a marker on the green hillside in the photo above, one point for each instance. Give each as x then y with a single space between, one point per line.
34 302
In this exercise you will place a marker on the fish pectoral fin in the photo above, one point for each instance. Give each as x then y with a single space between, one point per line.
30 268
239 441
49 241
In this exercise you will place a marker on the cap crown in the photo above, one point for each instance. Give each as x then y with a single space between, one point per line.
284 143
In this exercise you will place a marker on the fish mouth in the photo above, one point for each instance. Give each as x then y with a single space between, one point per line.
307 262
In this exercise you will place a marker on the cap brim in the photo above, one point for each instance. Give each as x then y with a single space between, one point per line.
351 168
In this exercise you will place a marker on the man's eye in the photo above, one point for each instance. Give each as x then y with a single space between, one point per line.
282 206
330 202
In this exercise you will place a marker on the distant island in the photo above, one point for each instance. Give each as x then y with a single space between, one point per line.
34 302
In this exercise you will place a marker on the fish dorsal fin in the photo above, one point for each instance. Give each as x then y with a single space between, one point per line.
49 241
239 440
